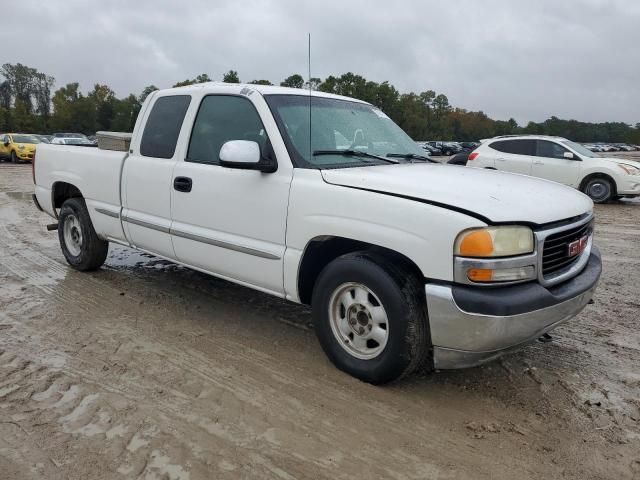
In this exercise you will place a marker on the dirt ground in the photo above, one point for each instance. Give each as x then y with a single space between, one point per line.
145 369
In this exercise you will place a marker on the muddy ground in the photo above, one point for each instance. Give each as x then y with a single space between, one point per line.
145 369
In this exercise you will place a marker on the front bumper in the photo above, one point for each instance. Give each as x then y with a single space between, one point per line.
473 325
23 155
628 185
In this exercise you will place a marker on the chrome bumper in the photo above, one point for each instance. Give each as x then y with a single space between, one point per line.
464 339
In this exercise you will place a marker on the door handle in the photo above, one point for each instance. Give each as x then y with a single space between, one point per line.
500 159
538 162
182 184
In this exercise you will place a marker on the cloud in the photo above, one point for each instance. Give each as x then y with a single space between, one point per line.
509 58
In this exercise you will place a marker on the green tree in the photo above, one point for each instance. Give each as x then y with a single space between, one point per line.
313 83
148 90
293 81
22 81
260 82
231 77
202 78
125 113
104 100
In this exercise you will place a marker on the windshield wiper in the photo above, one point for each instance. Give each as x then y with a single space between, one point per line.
412 156
353 153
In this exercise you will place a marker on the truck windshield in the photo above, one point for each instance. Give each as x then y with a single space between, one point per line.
337 125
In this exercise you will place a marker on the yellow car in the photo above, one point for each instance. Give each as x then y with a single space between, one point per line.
18 147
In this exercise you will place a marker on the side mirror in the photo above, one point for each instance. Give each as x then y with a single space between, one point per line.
568 155
6 144
245 154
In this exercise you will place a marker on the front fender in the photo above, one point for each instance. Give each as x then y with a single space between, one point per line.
423 233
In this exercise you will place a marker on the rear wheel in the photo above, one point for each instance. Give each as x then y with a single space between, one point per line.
79 242
599 189
370 317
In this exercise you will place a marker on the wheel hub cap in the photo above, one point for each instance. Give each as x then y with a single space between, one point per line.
72 235
598 190
358 320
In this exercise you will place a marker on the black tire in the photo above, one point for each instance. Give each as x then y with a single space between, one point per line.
599 189
402 296
91 252
14 158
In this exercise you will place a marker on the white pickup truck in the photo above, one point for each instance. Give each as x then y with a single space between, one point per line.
323 200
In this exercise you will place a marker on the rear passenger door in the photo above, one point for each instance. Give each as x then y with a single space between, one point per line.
550 163
514 155
147 176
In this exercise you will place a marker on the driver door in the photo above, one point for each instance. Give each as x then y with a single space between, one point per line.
226 221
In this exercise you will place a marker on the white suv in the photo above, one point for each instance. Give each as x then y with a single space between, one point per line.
560 160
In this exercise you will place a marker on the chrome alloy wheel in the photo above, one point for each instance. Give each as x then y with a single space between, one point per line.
358 320
72 235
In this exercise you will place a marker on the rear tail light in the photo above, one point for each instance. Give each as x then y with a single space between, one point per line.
472 156
33 167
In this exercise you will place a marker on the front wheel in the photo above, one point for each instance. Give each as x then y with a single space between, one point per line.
599 189
80 244
370 317
14 157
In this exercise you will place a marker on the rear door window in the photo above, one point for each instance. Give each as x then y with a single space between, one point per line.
550 149
163 126
515 147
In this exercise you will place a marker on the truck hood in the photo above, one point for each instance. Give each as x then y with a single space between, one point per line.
492 196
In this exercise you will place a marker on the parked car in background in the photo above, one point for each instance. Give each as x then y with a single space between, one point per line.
18 147
69 135
624 147
447 148
593 148
459 158
562 161
44 138
608 148
469 146
72 141
406 264
433 151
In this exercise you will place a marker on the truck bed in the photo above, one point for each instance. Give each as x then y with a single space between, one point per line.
95 172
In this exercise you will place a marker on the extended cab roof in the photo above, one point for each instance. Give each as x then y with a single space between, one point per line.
215 87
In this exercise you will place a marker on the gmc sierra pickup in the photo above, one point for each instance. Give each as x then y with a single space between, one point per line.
323 200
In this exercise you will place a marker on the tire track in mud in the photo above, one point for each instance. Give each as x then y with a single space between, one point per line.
245 391
252 391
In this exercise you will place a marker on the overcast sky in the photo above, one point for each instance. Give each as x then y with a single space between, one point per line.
509 58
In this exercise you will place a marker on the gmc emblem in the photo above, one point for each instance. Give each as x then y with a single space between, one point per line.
577 247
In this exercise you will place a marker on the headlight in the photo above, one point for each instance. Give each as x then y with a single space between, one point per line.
629 169
20 147
494 255
503 241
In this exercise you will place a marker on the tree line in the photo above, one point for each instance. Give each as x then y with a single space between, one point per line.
28 104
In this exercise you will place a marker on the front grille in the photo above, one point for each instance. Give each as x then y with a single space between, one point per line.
555 253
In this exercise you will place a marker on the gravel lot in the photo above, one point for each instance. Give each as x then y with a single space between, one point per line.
145 369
